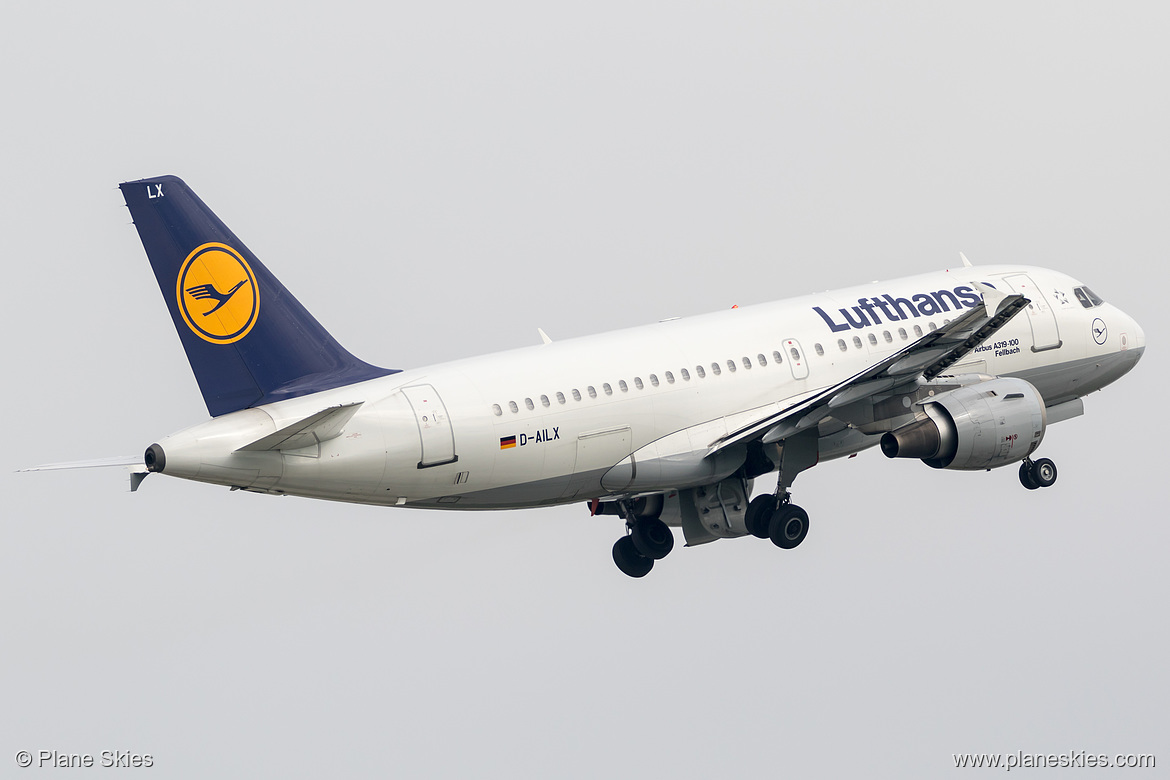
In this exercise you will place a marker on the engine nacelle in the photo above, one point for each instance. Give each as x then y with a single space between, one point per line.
980 426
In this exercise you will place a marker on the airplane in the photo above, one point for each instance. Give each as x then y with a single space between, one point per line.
664 426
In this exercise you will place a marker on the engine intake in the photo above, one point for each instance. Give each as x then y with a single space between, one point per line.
980 426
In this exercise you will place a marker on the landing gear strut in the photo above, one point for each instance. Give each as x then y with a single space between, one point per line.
1037 473
775 517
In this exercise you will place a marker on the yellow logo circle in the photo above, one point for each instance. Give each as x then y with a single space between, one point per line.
217 293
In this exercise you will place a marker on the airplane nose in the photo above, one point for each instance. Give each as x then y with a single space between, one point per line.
1139 336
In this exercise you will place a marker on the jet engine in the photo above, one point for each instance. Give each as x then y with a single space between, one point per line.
980 426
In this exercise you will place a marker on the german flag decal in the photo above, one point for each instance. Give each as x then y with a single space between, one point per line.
507 443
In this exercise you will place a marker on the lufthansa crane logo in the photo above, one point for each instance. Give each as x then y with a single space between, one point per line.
217 293
1100 332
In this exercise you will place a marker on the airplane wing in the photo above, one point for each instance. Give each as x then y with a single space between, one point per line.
927 357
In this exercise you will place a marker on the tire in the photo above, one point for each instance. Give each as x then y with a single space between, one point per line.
1044 473
1026 477
759 515
652 538
629 560
789 526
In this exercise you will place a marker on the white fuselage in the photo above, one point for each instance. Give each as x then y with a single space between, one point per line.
544 424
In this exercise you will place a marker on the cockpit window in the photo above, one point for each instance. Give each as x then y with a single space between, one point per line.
1087 297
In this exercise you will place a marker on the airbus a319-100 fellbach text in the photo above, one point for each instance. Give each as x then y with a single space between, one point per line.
665 425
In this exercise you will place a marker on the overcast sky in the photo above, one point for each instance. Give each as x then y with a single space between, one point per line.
437 180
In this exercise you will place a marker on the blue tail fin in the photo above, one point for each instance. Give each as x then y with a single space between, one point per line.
249 341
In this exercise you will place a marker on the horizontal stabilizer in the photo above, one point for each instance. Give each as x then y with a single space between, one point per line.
324 425
134 463
122 460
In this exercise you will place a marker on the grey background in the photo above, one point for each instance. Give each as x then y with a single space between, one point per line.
437 180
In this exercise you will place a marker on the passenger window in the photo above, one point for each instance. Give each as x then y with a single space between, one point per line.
763 361
731 366
654 380
873 340
857 342
820 350
638 382
686 375
715 369
592 391
902 333
560 397
776 356
669 378
576 394
747 362
841 345
623 386
496 410
918 331
608 390
544 400
528 404
886 335
513 407
795 354
700 372
931 326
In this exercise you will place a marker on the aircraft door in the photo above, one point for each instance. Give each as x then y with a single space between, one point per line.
434 426
1045 331
795 357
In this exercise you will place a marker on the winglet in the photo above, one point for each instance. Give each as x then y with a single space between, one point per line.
966 262
544 336
137 474
992 298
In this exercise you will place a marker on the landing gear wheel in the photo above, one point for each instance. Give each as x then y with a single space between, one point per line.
652 538
1044 473
629 560
759 514
1027 478
788 527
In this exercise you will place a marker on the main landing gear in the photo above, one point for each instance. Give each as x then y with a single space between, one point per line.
1037 473
776 518
649 539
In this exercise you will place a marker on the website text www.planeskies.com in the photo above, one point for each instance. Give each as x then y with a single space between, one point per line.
1068 760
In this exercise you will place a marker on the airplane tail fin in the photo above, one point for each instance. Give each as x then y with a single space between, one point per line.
249 341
